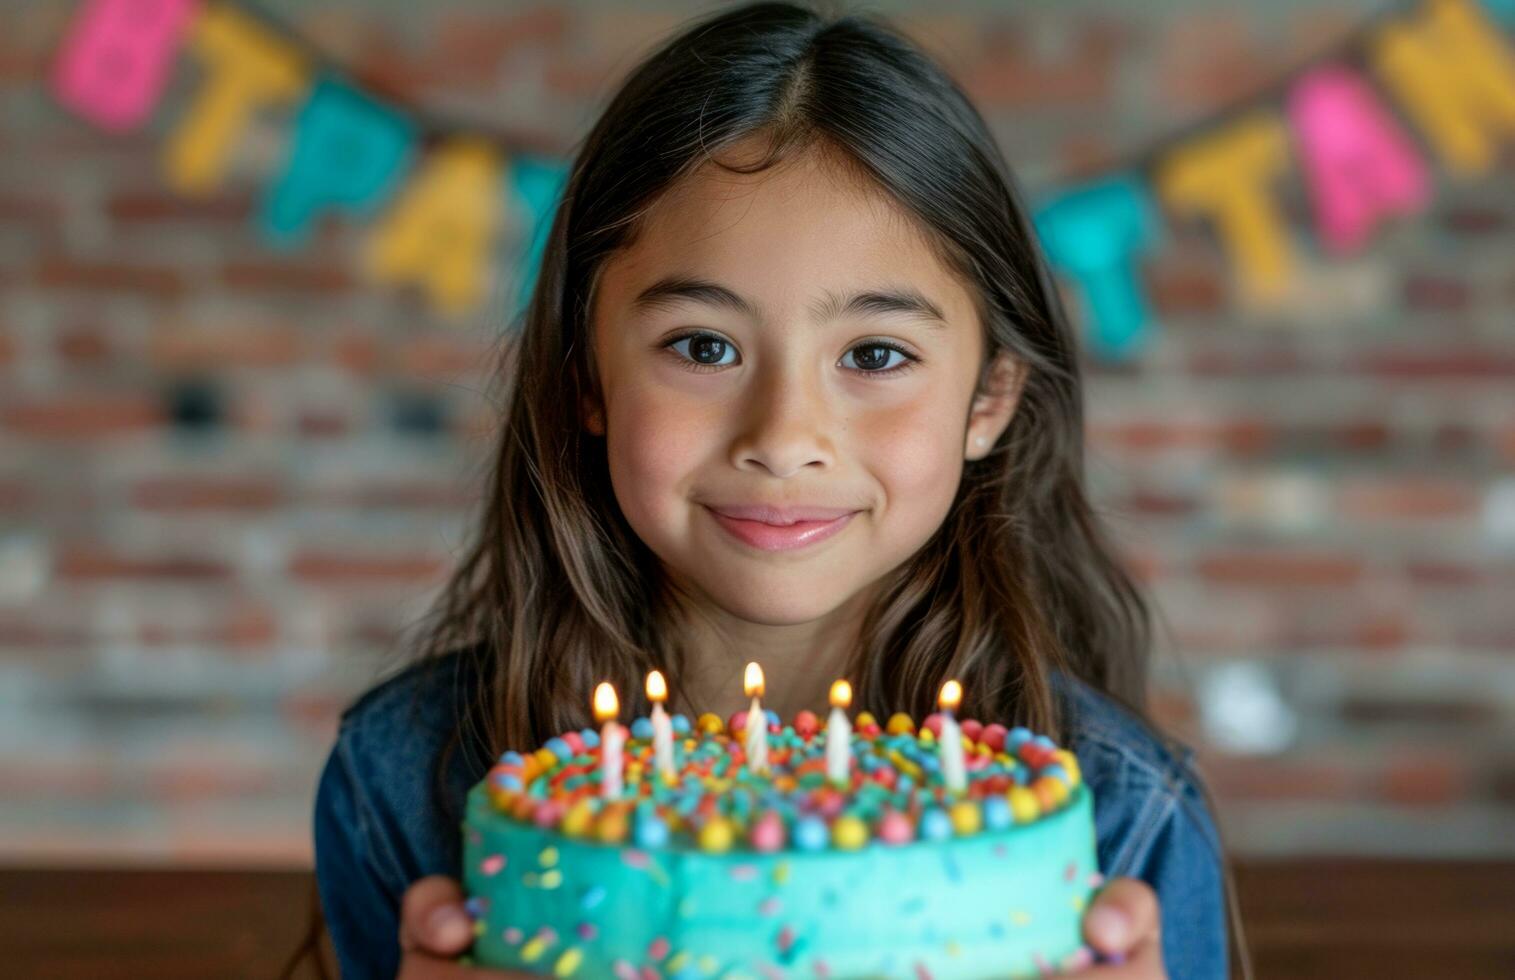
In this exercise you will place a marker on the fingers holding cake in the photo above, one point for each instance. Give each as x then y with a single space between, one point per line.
1124 926
435 928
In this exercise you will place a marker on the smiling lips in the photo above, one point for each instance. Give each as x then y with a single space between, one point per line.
781 528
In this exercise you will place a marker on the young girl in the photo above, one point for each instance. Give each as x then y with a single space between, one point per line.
794 387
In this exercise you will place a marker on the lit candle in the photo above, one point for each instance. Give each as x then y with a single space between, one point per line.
839 734
662 728
954 768
756 739
612 737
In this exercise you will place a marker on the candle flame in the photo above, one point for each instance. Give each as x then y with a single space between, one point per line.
841 694
657 688
752 681
952 696
606 705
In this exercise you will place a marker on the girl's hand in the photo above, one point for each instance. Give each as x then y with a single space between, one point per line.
434 930
1123 925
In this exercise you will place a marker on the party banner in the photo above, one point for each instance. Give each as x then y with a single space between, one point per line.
1428 84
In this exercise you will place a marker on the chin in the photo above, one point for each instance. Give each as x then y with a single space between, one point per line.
777 599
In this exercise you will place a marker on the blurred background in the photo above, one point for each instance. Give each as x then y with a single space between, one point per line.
241 429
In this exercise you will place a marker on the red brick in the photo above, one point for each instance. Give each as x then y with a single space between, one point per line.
328 567
1274 361
1242 778
395 495
61 272
32 210
1237 435
1436 363
83 415
1472 220
1434 781
472 48
86 563
152 206
206 493
1151 503
1363 434
1343 629
1281 568
58 779
83 346
1209 59
16 495
1401 498
245 625
1444 574
443 357
182 780
25 629
186 346
1461 713
1188 288
1008 75
299 275
1427 292
320 424
357 352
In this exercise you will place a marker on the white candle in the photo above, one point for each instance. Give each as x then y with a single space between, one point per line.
756 739
662 727
612 737
839 735
954 767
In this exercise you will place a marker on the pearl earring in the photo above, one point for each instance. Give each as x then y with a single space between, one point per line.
980 440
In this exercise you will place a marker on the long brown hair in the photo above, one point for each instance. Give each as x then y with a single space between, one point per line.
556 592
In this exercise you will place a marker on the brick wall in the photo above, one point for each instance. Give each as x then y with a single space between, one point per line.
229 475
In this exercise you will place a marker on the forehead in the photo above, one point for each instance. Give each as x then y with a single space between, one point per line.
808 224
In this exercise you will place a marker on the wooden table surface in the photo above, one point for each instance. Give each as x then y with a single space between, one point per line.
1306 919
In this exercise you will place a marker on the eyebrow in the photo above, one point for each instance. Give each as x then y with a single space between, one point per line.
900 299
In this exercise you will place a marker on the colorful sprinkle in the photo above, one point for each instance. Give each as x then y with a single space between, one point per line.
568 962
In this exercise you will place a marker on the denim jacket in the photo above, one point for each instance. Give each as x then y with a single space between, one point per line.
377 828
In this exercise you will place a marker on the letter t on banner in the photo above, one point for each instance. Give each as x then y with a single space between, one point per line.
1225 176
1094 235
349 152
245 66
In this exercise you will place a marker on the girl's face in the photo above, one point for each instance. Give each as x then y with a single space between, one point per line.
786 339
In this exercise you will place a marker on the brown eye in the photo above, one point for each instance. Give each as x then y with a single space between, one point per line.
874 358
704 349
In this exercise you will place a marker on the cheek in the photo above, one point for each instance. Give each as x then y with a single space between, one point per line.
655 444
915 452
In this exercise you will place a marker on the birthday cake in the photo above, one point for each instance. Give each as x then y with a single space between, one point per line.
700 864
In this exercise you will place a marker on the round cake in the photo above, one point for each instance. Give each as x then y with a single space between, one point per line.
724 869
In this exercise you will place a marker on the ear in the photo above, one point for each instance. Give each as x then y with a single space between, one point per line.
992 410
592 416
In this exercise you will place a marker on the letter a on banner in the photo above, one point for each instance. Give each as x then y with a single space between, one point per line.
1360 164
440 228
116 59
1095 235
349 152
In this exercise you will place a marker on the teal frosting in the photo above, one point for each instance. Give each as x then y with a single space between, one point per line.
1005 903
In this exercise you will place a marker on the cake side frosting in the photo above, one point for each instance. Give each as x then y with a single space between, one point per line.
887 874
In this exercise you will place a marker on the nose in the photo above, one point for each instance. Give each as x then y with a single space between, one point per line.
789 426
